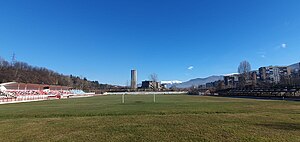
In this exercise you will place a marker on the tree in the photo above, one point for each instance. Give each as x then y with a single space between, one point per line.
244 67
3 63
153 77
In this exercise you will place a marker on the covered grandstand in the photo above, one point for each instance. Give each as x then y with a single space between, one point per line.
28 86
14 91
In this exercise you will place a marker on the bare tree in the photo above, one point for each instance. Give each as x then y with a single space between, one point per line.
153 77
2 62
244 67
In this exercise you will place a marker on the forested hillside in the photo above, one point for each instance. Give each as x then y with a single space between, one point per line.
22 72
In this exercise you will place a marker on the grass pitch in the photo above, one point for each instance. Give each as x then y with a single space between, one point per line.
171 118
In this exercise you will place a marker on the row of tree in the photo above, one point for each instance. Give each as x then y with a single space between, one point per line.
22 72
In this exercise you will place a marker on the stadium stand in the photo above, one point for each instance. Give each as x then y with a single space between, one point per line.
14 91
78 92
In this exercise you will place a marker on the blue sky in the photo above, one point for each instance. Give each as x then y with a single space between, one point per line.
178 40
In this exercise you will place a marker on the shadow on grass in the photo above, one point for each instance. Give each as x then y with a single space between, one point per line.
282 126
65 115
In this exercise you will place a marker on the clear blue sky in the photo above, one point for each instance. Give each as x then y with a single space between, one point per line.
178 40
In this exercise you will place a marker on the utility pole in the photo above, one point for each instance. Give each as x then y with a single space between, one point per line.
13 59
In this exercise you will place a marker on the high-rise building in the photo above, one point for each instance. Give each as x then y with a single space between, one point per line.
254 78
273 74
231 81
263 73
133 79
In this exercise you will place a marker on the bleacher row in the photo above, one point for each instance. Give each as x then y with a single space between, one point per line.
22 93
13 91
36 92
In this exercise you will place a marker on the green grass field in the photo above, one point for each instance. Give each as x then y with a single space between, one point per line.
172 118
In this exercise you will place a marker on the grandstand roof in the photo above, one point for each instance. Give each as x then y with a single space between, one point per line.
29 86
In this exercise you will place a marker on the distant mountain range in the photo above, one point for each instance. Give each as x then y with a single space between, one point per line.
193 82
295 66
202 81
170 84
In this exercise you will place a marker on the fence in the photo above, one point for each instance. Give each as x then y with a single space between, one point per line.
144 93
4 100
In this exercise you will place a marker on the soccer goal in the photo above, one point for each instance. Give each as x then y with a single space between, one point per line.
138 98
129 97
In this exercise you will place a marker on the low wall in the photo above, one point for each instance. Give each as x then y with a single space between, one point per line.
21 99
33 98
144 93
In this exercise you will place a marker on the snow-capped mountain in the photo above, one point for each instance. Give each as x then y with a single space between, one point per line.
169 84
199 81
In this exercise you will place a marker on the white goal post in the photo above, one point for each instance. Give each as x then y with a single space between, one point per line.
123 94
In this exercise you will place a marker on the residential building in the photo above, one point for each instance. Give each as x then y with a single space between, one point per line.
231 81
273 74
151 85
